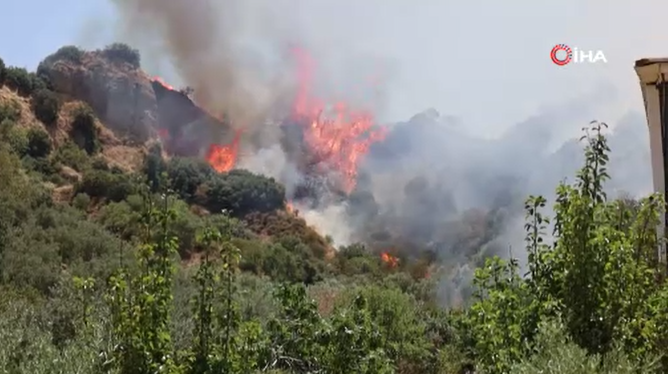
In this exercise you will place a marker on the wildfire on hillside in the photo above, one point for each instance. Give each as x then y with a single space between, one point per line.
339 141
335 138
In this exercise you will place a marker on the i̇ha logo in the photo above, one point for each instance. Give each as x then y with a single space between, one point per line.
562 54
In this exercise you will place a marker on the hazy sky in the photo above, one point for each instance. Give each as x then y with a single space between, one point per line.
486 61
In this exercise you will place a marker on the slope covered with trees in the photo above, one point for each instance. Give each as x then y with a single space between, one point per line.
170 267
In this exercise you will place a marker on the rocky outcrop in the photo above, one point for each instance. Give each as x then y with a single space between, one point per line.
130 103
121 95
186 129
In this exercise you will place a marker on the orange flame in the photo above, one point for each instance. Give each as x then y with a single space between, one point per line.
390 260
290 208
339 141
223 158
162 82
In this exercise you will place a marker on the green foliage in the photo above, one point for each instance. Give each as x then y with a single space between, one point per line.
497 318
46 105
290 261
121 52
14 136
84 131
10 111
19 79
557 354
81 201
39 143
141 304
242 192
69 154
27 344
601 275
68 53
115 186
356 259
186 175
24 82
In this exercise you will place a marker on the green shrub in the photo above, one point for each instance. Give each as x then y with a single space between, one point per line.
357 259
113 186
241 192
43 166
10 110
557 354
70 53
16 137
39 143
120 218
39 82
291 265
20 80
84 132
69 154
185 175
121 52
46 105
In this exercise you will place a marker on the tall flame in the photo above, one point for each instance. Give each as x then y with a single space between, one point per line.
222 158
340 140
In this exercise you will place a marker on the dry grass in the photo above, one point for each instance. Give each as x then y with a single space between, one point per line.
116 152
27 117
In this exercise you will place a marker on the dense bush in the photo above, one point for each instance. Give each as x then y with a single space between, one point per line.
242 192
39 143
70 53
111 185
10 110
122 52
19 79
186 175
84 131
39 82
13 135
46 105
602 254
69 154
24 82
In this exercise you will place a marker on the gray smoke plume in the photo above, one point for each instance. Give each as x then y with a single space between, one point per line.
463 196
204 41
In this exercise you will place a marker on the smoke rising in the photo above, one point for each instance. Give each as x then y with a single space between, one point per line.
428 185
204 42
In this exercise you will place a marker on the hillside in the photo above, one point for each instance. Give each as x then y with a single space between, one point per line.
132 241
